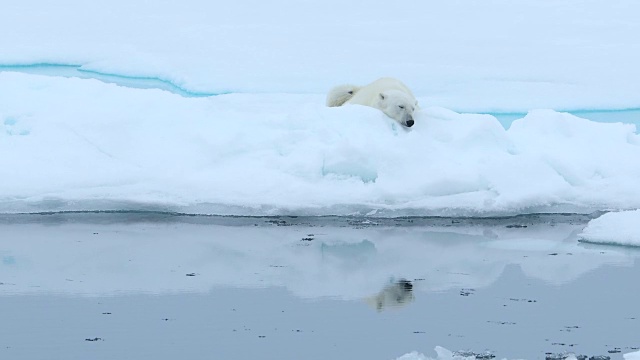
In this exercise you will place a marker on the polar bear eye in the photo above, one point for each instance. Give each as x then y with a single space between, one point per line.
401 107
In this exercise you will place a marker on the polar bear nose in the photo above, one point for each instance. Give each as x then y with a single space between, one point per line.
409 123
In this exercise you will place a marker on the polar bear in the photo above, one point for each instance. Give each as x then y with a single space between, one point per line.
389 95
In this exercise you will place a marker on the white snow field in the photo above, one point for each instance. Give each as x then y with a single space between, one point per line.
74 144
267 145
496 55
615 228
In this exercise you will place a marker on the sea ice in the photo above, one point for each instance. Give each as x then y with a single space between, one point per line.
632 356
464 55
270 146
615 228
96 146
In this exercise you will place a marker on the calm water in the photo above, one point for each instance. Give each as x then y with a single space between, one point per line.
163 287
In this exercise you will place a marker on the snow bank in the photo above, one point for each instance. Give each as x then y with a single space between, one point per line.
72 144
273 148
632 356
465 55
617 228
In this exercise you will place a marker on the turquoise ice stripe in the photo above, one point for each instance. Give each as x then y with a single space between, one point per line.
76 70
173 87
571 111
625 115
9 121
8 260
9 67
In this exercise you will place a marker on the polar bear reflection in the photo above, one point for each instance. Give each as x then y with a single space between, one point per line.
396 294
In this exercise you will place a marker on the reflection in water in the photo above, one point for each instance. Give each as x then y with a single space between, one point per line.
351 252
338 261
169 290
396 294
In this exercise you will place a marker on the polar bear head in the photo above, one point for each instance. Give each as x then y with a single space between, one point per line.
398 105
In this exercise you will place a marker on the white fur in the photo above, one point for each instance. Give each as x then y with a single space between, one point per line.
389 95
340 94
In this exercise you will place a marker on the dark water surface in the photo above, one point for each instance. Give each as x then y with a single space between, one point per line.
157 286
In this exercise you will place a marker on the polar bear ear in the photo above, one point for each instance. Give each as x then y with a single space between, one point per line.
382 96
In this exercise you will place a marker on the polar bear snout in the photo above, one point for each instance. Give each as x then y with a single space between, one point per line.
407 120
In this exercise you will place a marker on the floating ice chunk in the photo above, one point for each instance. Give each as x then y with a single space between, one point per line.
615 228
412 356
632 356
443 354
447 354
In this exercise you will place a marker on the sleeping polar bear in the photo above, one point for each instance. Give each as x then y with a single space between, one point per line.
389 95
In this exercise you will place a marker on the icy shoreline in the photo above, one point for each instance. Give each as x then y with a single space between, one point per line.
82 145
134 216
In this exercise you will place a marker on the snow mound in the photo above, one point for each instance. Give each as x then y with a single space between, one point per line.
632 356
82 145
616 228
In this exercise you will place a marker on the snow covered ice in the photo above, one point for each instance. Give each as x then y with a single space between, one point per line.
84 145
442 354
632 356
462 55
267 145
614 228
